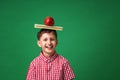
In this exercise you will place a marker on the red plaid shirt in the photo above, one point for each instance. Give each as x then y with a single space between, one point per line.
54 68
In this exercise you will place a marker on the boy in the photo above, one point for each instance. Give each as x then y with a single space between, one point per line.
49 65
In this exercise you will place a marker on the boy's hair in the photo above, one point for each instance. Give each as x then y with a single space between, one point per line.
42 31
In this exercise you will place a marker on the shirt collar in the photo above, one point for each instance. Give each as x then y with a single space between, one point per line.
48 60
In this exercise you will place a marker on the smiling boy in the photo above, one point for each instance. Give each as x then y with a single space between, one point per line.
49 65
47 40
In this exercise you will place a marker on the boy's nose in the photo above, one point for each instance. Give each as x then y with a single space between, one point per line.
49 41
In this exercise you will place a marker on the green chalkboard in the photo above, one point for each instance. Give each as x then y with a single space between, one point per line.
90 39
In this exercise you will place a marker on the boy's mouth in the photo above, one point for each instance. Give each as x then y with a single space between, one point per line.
49 46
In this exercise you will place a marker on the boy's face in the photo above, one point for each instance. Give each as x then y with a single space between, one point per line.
48 43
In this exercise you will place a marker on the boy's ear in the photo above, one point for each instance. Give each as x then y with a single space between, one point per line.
39 43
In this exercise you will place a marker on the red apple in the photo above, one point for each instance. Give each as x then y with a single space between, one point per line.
49 21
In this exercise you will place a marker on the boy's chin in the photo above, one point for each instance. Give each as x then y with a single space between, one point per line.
49 52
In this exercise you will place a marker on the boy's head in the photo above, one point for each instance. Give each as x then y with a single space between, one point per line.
42 31
47 40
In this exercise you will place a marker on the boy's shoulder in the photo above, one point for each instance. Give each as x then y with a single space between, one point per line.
62 59
35 60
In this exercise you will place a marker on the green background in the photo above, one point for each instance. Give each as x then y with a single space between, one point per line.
90 39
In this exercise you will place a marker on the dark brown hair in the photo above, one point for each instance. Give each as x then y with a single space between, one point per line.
42 31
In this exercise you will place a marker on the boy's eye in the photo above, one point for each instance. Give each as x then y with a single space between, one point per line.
52 39
45 39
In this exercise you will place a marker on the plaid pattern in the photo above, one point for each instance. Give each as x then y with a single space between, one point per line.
54 68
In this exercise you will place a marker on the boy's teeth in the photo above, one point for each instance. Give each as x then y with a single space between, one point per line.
49 46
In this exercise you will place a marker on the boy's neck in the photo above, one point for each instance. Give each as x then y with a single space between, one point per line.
48 55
